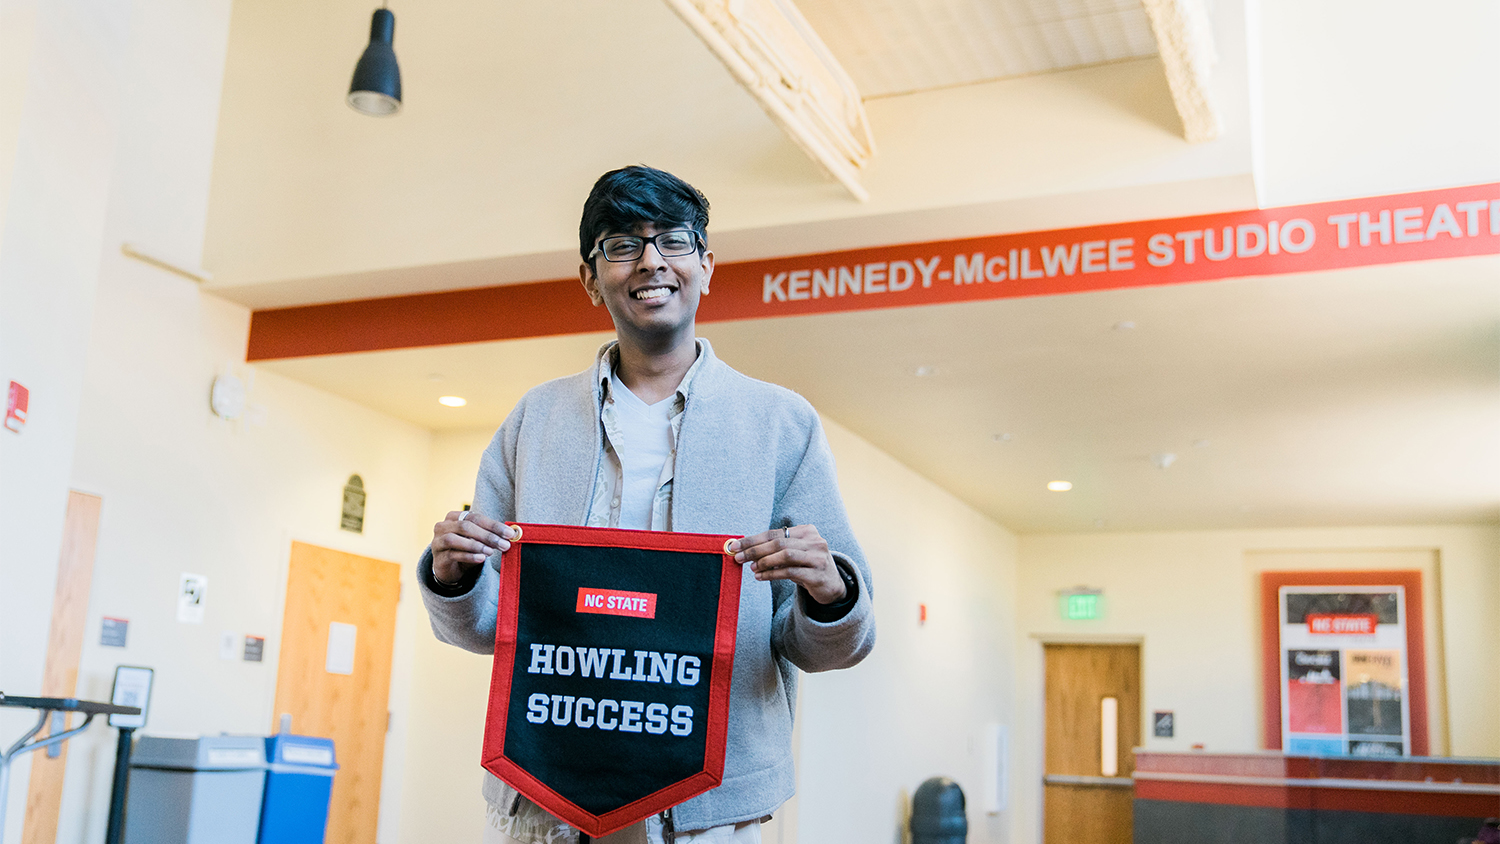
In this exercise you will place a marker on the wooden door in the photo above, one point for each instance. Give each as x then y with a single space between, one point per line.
70 604
327 588
1084 800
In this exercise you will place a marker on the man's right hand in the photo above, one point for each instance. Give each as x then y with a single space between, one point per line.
464 540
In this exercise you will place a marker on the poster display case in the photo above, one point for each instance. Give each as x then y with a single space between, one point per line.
1343 663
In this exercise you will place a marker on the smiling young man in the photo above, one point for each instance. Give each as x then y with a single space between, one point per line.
659 434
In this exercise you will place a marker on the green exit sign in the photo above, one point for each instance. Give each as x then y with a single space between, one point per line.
1082 605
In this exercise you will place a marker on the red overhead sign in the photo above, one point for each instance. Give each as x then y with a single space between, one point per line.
1274 241
1449 223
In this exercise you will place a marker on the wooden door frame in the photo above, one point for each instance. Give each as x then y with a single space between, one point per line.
72 599
1038 648
272 653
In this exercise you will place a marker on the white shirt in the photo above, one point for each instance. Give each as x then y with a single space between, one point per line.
604 505
642 439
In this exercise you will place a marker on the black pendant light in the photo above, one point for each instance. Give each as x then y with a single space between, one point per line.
376 89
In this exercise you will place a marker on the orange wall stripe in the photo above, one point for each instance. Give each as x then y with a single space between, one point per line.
425 319
1448 223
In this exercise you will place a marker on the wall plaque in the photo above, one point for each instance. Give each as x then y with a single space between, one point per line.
354 505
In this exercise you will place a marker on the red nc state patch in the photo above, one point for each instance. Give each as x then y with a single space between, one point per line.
615 602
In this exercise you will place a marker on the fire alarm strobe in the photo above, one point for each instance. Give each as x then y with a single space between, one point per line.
614 651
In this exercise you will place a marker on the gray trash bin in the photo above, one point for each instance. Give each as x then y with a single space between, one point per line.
195 791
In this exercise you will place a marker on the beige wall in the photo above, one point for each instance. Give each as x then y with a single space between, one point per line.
1363 98
1193 598
919 705
119 400
58 120
187 492
449 687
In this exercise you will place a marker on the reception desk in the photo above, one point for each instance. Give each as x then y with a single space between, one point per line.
1271 798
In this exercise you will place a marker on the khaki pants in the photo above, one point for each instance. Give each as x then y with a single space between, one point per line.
649 832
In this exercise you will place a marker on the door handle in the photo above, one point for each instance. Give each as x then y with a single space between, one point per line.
1109 736
1105 782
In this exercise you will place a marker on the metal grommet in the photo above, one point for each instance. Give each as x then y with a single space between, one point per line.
517 529
727 552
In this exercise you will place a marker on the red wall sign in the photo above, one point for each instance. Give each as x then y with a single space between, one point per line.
1422 226
16 402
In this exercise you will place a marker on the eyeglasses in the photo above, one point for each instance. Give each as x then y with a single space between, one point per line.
629 247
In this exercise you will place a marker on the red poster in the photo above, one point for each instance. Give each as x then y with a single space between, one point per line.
1315 695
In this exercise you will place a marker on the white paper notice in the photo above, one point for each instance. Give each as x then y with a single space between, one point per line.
191 590
341 648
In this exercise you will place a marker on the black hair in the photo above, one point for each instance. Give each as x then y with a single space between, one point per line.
625 198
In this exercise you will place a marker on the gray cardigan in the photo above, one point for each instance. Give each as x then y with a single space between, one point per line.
750 456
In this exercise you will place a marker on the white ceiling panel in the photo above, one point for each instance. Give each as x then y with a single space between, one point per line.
892 47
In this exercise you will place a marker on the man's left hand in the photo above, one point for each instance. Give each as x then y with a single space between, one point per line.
799 554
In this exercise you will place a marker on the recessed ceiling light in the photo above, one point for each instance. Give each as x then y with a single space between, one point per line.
1000 438
1059 486
1125 325
453 401
924 371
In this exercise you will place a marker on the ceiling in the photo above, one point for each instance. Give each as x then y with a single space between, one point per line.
504 129
1367 396
890 47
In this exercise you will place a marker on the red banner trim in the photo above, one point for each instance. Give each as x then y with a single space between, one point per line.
506 625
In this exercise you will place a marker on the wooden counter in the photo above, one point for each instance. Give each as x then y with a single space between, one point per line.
1272 798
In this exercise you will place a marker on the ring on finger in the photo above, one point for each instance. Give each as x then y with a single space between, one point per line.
786 532
464 515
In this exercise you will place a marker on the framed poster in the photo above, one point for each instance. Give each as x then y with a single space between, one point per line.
1343 663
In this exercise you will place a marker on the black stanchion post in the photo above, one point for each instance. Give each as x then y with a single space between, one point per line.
115 832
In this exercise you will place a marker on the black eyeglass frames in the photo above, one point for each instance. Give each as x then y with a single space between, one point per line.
629 247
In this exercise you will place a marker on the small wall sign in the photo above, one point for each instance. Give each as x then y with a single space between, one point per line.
132 688
1162 724
255 648
112 632
354 505
191 590
229 645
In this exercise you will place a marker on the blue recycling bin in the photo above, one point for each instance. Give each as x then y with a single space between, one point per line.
299 782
